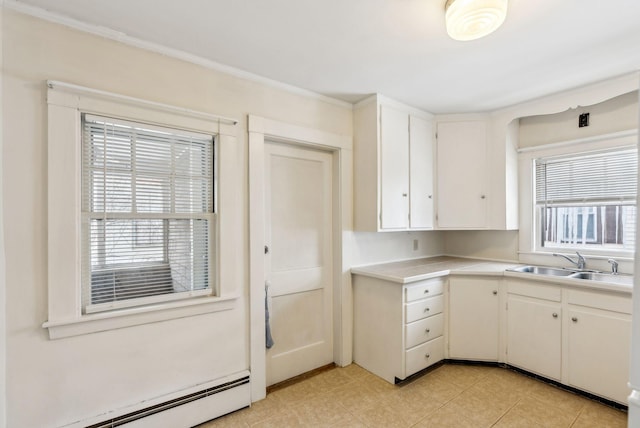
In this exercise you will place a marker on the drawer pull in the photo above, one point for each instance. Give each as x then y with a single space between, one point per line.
427 331
426 291
555 315
495 292
427 355
426 309
574 319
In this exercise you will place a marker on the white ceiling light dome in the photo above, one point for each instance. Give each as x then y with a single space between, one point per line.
472 19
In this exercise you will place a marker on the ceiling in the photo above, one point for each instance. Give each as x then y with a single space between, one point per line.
348 49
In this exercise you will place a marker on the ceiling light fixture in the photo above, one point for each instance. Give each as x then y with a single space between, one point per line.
472 19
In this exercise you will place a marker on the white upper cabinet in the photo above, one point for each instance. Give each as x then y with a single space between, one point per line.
393 166
462 175
421 167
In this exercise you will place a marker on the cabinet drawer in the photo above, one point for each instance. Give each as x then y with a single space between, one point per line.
605 301
422 356
539 291
423 308
422 289
423 330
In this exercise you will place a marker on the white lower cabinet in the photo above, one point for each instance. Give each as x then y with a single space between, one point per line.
580 338
577 337
534 336
474 322
599 344
398 329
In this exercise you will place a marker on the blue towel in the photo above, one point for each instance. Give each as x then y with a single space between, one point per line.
269 339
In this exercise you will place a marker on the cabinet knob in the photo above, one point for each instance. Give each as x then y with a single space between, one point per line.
427 355
426 309
495 292
426 291
404 195
427 331
430 196
574 319
555 315
483 197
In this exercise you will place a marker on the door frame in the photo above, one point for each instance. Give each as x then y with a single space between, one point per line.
341 149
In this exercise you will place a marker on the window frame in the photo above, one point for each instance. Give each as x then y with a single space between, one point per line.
595 203
65 104
530 235
88 215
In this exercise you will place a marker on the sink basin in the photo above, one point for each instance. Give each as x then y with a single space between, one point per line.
604 277
541 270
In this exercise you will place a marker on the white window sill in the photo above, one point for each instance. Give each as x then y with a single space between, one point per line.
122 318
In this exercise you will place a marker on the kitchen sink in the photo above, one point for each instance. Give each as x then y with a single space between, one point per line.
542 270
604 277
620 279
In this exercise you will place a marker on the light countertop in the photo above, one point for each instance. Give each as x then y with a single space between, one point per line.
408 271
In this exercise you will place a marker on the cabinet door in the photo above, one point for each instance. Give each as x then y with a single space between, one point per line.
394 165
420 173
598 353
473 319
534 335
462 175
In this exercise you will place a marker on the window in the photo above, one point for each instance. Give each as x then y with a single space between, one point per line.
135 233
147 213
587 201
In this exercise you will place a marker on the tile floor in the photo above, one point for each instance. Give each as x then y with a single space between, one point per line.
451 395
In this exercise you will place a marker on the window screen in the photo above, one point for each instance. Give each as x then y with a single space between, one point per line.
587 200
148 213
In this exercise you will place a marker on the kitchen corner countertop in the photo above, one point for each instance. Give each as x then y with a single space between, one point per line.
405 272
408 271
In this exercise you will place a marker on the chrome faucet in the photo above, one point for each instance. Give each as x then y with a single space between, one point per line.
581 263
614 266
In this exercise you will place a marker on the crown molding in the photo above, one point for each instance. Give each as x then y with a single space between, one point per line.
121 37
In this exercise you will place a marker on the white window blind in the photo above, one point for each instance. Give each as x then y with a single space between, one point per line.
148 213
587 200
602 177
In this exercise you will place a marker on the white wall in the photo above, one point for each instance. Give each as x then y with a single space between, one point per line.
618 114
382 247
3 303
483 244
69 379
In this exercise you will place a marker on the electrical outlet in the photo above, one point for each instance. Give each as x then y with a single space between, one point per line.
415 245
583 120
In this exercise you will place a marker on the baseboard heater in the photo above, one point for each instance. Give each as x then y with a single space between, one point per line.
186 409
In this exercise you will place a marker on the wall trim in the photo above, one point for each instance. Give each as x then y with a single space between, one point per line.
594 138
261 128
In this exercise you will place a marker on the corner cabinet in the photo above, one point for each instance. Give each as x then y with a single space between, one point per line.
462 175
393 166
474 321
477 180
398 329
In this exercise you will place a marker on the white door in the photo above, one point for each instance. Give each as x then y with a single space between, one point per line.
420 173
534 336
598 352
298 261
473 319
462 175
394 164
